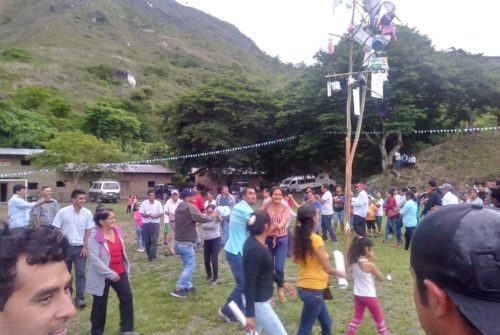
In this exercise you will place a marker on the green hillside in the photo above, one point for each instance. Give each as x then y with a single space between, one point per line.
86 47
460 160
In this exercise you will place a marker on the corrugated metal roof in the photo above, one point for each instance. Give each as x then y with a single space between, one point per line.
141 168
19 152
130 168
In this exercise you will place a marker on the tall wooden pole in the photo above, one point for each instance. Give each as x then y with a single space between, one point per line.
350 148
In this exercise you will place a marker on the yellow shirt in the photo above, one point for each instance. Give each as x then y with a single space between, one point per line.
311 273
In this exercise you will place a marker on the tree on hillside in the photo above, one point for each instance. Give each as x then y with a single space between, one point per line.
20 128
77 153
225 113
110 124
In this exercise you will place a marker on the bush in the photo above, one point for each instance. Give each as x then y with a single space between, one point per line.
16 54
103 72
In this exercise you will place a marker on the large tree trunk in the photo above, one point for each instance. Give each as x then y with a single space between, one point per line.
385 157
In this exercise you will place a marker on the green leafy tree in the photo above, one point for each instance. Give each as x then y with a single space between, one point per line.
77 153
110 124
20 128
222 114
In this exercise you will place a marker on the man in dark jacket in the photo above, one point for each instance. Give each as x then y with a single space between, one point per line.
186 217
434 199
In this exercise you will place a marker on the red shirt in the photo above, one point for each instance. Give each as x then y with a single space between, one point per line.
116 252
199 202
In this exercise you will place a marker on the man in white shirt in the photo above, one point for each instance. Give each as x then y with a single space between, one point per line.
327 213
360 209
18 209
169 209
448 197
151 211
76 222
397 160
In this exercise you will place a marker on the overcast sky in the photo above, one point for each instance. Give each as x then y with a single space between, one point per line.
295 29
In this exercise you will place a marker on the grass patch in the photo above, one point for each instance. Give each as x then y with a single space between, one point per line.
16 55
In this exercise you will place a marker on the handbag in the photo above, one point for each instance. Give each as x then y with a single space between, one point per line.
392 213
327 294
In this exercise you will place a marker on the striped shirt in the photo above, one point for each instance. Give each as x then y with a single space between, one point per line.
284 214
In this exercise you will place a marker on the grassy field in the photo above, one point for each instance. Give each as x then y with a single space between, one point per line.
156 312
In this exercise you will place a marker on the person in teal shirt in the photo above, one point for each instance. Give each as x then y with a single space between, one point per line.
234 248
409 213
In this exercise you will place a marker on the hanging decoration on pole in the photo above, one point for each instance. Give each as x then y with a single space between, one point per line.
372 32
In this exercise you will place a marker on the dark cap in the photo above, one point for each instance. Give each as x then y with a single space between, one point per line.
458 248
187 192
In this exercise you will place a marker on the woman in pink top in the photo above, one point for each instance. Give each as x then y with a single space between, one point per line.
277 240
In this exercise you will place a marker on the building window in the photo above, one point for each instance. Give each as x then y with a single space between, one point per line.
60 183
151 183
25 162
32 186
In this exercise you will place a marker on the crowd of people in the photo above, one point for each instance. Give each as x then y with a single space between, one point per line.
256 243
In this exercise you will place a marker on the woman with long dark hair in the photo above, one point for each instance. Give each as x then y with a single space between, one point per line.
109 267
314 268
391 211
258 269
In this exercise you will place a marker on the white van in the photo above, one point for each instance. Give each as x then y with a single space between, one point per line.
105 190
300 183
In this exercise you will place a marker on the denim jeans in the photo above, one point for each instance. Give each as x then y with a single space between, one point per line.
391 223
314 308
186 251
139 239
339 218
399 226
198 239
236 265
225 230
73 257
279 252
266 319
326 225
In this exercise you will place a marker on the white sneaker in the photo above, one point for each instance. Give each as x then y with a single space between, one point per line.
140 250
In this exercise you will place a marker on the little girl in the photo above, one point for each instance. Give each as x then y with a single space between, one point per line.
361 257
138 227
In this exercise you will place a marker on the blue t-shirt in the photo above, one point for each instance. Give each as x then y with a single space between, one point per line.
238 227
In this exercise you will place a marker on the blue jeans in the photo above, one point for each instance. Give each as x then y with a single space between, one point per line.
186 251
391 223
326 225
198 239
399 226
314 308
236 265
139 242
73 257
279 253
339 218
225 230
266 319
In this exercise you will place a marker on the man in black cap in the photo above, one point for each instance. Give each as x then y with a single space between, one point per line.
455 263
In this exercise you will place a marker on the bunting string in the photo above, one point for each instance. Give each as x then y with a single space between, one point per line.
256 146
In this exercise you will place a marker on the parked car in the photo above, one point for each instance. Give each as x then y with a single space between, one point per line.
239 187
300 183
164 191
104 190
